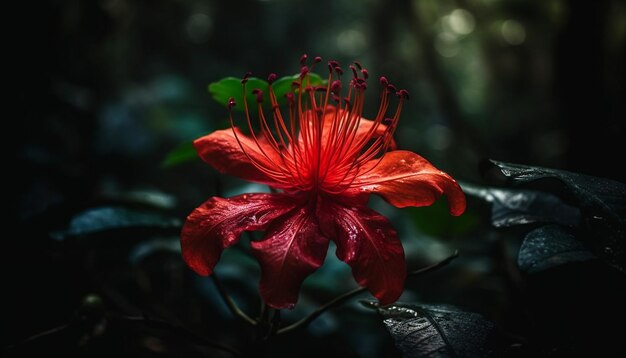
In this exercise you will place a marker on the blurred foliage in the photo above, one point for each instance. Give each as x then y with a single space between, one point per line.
107 88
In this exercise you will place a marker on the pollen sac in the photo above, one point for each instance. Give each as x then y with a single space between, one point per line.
403 94
289 98
245 77
384 81
317 59
259 95
231 103
303 59
335 87
354 73
271 78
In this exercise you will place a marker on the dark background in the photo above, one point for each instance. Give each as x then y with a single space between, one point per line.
105 89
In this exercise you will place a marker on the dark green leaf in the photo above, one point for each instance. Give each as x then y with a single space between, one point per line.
510 207
603 197
421 330
114 218
602 203
185 152
550 246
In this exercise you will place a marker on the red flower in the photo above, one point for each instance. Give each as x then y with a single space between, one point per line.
324 160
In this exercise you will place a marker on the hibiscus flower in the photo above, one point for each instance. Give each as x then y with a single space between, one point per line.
323 160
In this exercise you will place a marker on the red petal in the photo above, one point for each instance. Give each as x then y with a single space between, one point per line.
368 243
218 223
404 178
292 249
222 151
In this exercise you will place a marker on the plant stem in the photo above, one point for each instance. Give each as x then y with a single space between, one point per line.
344 297
232 306
268 323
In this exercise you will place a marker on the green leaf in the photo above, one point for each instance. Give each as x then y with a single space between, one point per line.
421 330
511 207
184 153
228 87
595 195
550 246
602 203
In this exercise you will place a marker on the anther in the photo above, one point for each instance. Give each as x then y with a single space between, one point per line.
289 98
231 103
403 94
271 78
354 73
259 95
303 59
245 77
383 81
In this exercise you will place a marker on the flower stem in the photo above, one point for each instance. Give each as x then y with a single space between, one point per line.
344 297
268 323
230 303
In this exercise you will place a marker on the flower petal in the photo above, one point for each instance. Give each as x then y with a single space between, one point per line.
404 178
221 150
369 244
292 249
218 223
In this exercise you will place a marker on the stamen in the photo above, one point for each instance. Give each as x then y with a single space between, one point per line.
319 146
245 78
259 95
271 78
335 87
231 103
